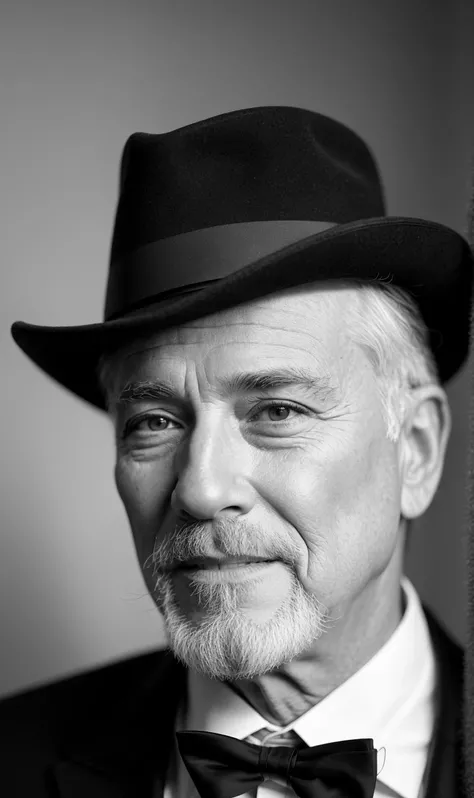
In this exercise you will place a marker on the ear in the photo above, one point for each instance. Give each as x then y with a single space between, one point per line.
423 440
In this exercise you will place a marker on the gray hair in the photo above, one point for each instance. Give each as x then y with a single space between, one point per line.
386 324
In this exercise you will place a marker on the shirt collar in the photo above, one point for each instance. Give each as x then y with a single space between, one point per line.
390 699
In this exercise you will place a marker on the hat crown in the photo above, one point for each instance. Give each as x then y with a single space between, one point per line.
257 164
232 208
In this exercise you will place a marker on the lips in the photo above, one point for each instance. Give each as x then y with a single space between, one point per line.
221 565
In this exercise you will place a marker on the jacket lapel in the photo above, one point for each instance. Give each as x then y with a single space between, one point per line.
129 758
445 767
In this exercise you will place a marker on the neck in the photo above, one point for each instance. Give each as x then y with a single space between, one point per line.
362 628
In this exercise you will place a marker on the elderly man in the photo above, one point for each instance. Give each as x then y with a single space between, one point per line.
272 358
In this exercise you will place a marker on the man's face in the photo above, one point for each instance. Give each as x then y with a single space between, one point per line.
217 467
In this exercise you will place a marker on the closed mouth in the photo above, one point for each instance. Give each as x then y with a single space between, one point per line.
213 564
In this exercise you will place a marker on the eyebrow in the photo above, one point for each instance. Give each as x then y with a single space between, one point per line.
270 379
240 382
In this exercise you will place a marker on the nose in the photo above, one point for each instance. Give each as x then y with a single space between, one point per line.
212 473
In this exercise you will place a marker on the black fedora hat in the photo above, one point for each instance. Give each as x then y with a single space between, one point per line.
238 206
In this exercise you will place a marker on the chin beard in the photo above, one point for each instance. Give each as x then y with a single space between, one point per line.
227 644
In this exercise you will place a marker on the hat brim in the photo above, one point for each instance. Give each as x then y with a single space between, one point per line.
429 260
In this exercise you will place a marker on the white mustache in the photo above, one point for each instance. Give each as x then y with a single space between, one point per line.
223 538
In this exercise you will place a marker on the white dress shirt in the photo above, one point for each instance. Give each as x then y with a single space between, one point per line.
390 699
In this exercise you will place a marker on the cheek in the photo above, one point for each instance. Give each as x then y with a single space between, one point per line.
343 504
145 489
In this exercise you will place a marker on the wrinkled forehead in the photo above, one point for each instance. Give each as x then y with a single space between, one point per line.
304 329
308 318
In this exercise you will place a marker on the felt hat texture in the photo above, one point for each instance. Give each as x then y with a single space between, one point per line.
235 207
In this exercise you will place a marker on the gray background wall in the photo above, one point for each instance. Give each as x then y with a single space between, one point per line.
76 80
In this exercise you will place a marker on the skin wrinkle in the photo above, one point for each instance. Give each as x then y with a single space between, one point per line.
129 351
130 391
262 380
331 486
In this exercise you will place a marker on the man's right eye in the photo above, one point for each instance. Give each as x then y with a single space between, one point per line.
150 422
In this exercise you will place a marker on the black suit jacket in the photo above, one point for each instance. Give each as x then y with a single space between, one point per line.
108 733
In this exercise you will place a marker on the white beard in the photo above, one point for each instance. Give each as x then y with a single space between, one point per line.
229 645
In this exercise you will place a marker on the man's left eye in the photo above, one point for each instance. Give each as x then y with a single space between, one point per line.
280 411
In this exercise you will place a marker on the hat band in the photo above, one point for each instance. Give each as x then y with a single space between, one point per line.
197 257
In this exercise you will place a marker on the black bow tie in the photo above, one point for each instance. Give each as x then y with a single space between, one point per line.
223 767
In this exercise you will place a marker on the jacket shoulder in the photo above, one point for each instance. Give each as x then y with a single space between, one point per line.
39 711
448 652
105 676
446 773
43 725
